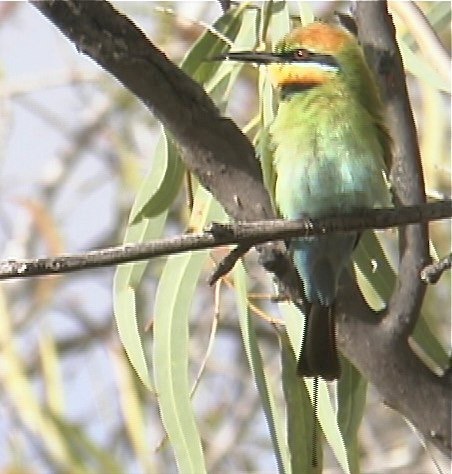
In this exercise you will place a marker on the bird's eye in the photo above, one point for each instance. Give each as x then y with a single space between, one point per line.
301 54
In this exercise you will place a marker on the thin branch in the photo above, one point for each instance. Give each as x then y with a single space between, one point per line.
243 234
228 262
432 273
374 219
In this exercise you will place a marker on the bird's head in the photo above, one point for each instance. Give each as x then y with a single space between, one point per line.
307 56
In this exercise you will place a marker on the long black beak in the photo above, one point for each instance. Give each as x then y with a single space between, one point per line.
258 57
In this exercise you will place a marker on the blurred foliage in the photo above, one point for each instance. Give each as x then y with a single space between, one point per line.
77 152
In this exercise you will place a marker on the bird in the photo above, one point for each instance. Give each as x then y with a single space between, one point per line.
330 153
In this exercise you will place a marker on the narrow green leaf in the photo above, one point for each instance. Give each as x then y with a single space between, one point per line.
272 415
439 14
328 422
170 355
326 413
417 66
126 281
133 411
83 450
246 39
299 414
18 387
173 299
264 20
264 149
306 12
266 100
279 22
294 324
162 183
278 25
196 62
374 266
351 400
51 372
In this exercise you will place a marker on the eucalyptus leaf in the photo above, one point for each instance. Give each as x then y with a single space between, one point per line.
271 410
351 400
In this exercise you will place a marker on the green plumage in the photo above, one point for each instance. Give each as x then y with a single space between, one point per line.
330 151
330 154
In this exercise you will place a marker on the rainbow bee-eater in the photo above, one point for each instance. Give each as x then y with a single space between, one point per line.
330 153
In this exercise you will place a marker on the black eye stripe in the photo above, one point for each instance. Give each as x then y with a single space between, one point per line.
304 55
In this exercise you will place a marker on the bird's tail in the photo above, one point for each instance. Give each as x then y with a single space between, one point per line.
319 356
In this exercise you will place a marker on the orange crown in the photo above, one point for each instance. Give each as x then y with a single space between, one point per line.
319 37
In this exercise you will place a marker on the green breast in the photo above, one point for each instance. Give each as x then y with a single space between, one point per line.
328 155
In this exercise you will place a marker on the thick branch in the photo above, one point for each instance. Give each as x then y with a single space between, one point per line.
377 35
214 148
402 379
406 384
245 234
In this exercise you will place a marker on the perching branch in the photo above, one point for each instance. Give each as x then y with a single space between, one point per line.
244 234
223 160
